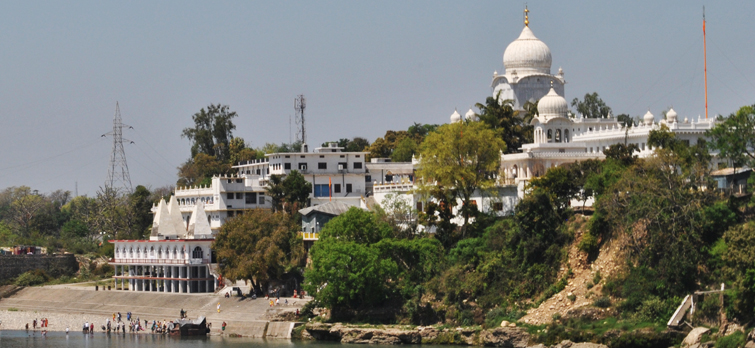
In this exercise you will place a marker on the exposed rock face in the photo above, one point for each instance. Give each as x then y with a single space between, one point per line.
570 344
694 336
512 337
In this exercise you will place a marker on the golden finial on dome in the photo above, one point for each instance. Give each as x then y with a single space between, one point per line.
526 17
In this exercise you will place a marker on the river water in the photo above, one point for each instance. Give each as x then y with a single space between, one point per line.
9 339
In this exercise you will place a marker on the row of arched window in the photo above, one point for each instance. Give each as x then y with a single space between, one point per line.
159 253
552 136
194 200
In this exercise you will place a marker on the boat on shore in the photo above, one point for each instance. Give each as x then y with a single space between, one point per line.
189 327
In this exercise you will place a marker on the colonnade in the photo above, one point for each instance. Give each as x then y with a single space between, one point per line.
165 278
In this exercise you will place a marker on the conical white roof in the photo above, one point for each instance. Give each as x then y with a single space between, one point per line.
162 213
198 224
671 116
470 115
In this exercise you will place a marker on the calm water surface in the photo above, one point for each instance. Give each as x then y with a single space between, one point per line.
10 339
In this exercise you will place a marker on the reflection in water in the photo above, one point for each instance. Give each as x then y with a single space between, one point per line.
10 339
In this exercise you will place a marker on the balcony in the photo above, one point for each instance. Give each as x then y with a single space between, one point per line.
202 261
309 236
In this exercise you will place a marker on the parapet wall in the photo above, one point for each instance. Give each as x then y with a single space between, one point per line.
14 265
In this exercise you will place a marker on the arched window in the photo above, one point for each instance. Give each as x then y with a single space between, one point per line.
566 135
131 253
197 253
160 253
515 171
558 135
138 253
550 135
152 252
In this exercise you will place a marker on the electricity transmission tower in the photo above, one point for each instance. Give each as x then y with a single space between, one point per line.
299 105
117 173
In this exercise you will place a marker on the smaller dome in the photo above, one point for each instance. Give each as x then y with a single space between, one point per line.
648 118
470 116
552 105
671 116
455 117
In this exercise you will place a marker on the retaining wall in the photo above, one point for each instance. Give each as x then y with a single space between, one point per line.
14 265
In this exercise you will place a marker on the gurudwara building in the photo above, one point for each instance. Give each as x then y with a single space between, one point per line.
177 257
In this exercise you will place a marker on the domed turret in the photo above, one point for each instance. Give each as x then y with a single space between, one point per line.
648 118
671 116
527 54
470 116
552 105
455 117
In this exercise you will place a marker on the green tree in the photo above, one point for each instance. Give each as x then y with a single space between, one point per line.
259 246
289 193
212 132
404 151
461 157
501 117
356 225
591 106
734 136
560 183
200 170
357 144
140 206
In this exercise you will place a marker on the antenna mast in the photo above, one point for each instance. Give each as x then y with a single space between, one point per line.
299 105
117 173
705 65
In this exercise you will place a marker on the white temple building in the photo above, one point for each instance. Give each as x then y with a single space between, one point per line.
177 257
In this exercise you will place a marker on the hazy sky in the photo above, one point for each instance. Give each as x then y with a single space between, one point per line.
364 67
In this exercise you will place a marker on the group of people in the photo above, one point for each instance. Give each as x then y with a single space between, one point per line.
131 324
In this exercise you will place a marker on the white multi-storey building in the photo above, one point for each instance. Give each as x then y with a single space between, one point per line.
177 258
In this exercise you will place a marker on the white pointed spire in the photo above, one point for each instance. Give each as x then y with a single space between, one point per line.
198 223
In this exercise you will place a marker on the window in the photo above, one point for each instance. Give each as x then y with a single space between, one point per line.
251 197
287 156
286 165
258 172
230 213
198 253
321 190
322 165
357 165
367 178
230 181
343 165
419 206
348 188
229 195
357 156
261 199
342 156
336 188
302 166
239 195
238 181
498 206
322 156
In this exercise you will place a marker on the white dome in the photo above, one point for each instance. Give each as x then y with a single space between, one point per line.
455 117
671 116
552 105
527 54
648 118
470 116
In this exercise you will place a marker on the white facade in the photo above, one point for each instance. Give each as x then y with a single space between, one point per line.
177 258
335 175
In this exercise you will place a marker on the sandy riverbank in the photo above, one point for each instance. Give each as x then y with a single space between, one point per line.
17 320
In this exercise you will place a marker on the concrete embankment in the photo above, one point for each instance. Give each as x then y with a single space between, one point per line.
71 307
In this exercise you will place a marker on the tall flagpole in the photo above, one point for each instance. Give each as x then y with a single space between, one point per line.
705 63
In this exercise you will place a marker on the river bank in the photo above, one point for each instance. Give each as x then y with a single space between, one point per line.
17 320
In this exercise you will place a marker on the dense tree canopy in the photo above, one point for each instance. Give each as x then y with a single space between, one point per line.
734 137
212 131
259 246
508 124
461 157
